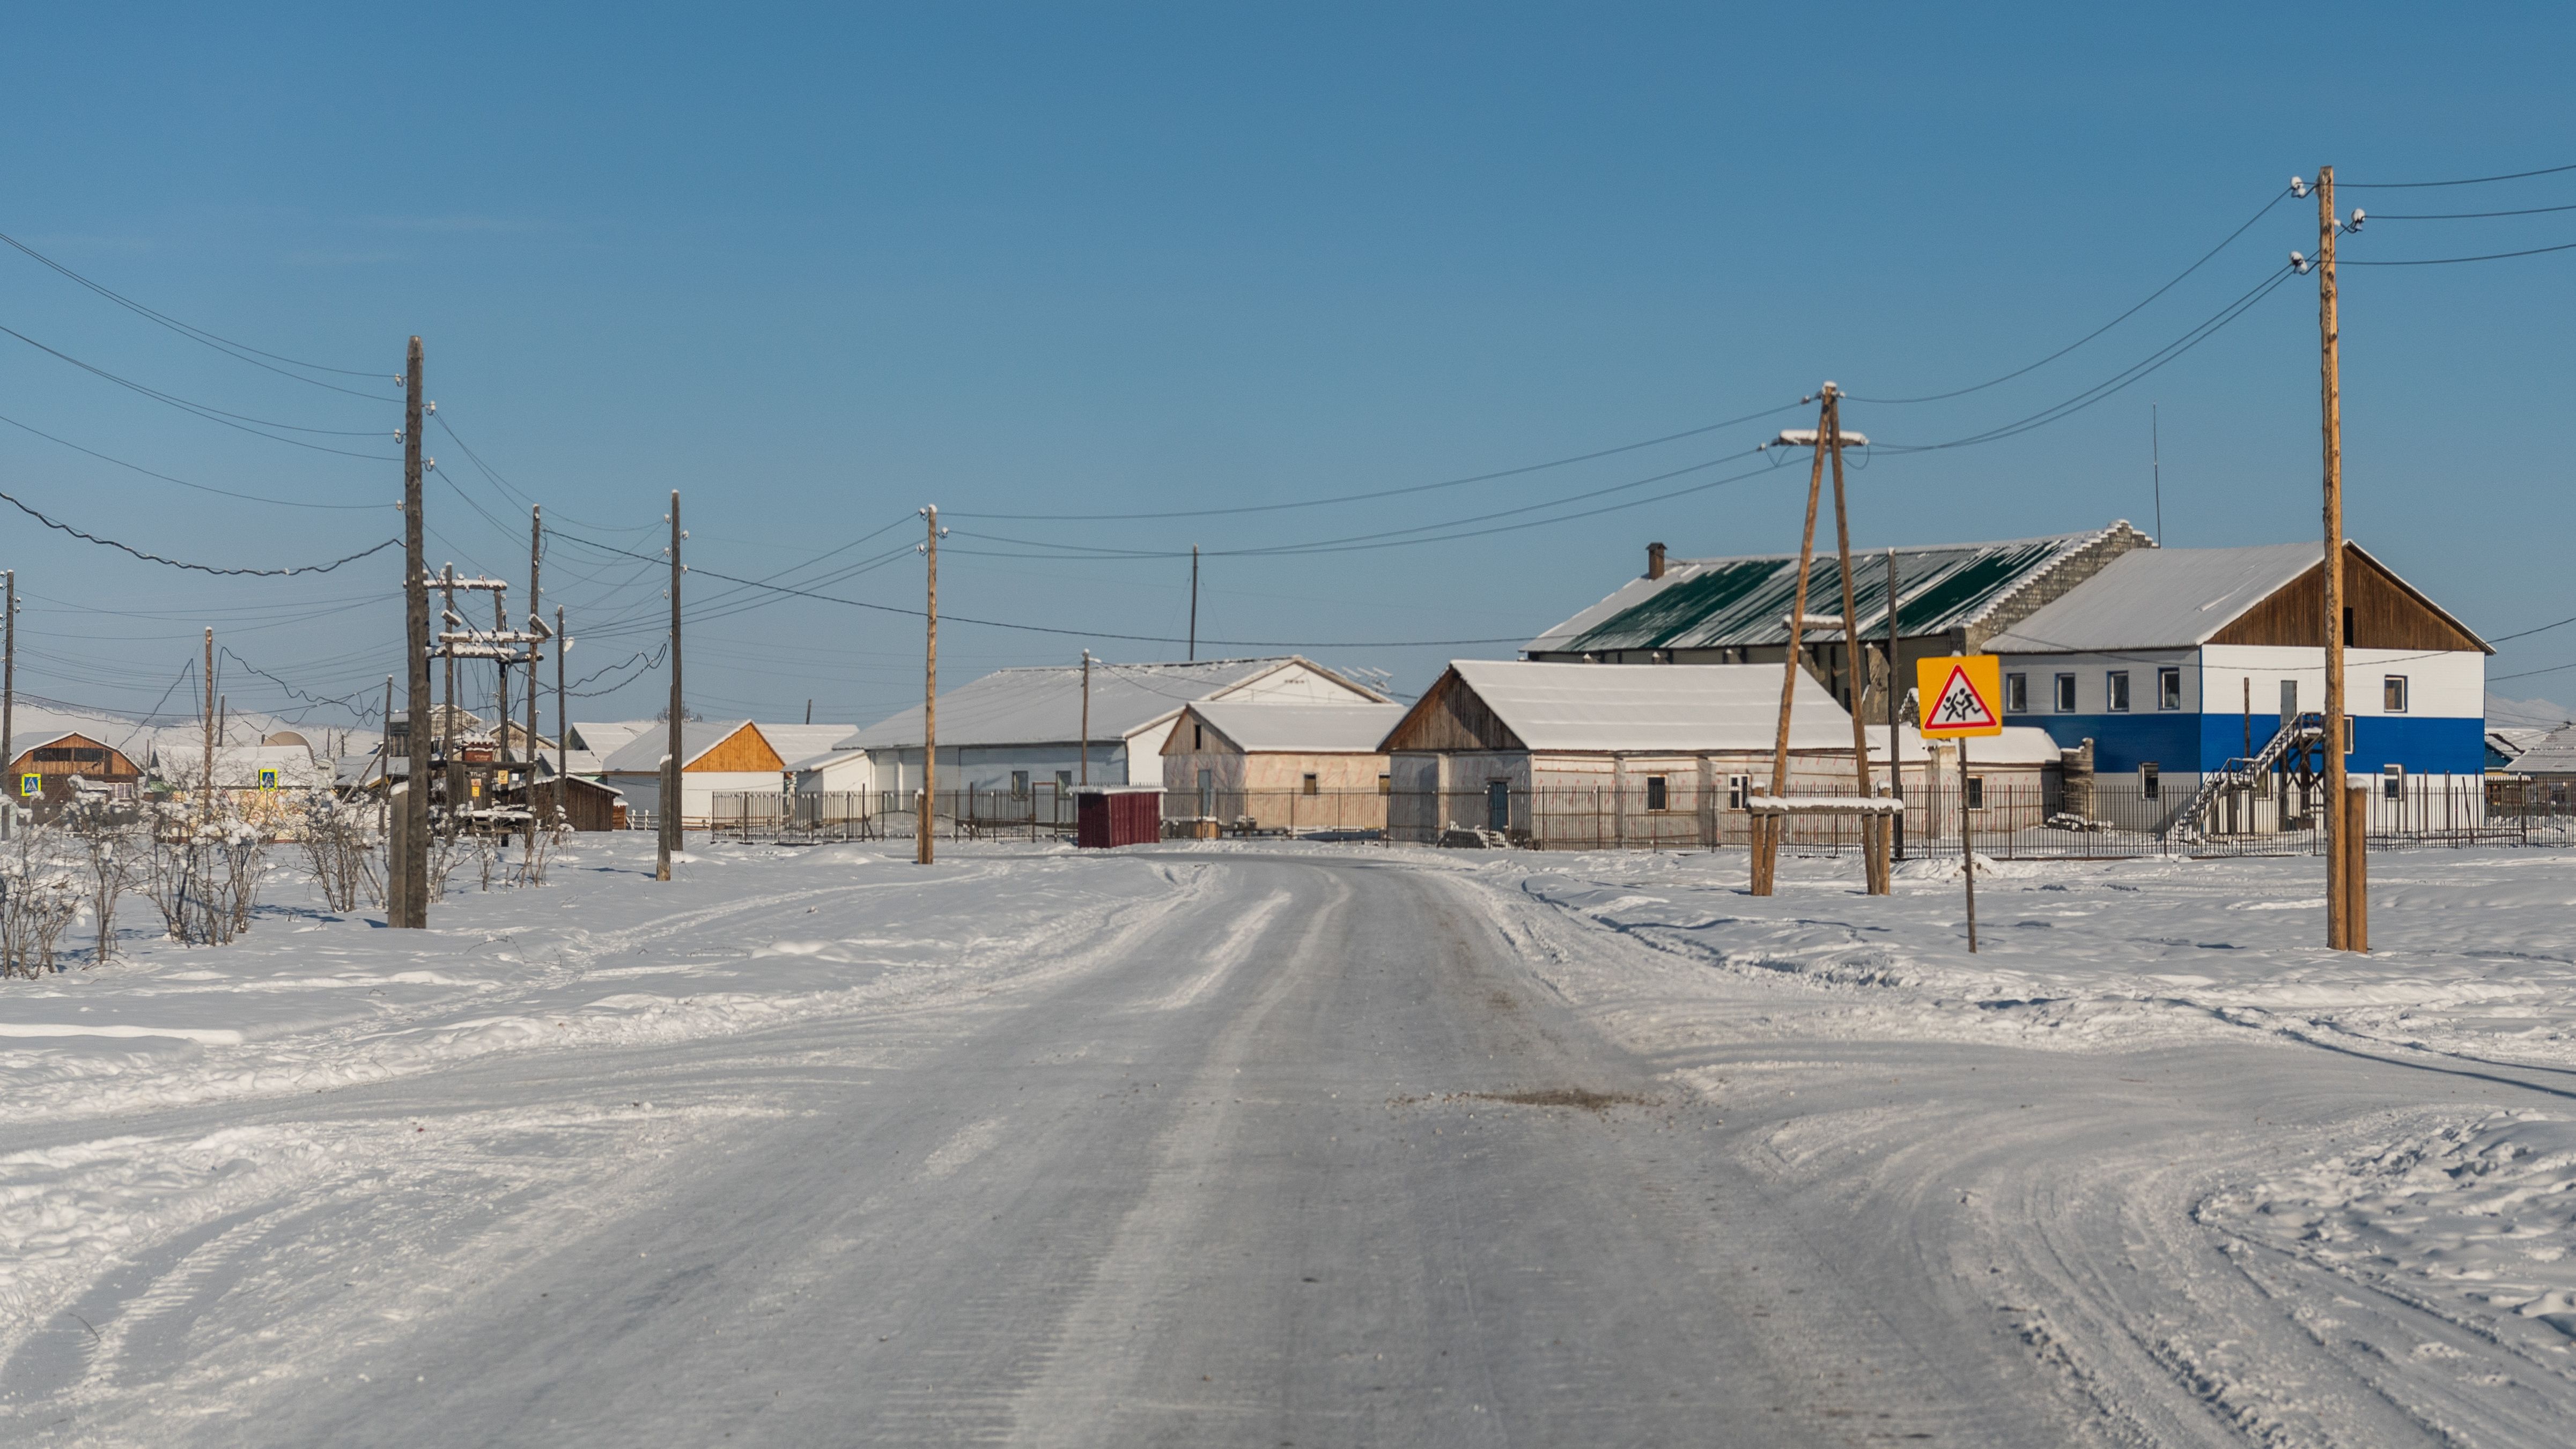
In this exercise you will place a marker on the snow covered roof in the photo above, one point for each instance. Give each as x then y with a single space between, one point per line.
238 767
1646 707
1727 602
802 763
1044 705
606 738
2160 598
2017 745
2552 754
804 741
642 755
1258 725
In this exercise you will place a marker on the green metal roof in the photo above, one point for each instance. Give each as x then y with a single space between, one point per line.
1734 602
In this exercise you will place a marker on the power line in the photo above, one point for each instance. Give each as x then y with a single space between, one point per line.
2096 332
2463 181
1393 492
2465 215
182 482
198 334
204 410
61 527
2451 261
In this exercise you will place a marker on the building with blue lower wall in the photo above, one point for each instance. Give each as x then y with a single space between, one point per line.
2175 661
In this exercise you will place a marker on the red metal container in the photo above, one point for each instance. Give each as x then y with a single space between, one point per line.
1106 818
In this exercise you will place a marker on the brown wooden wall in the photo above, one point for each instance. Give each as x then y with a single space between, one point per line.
2385 614
1451 717
116 767
745 749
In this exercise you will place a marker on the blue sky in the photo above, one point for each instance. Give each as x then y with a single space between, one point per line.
817 268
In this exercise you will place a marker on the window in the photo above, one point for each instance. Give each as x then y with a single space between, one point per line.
2016 694
2168 689
1976 792
1019 784
1064 779
1737 788
2150 781
1657 796
1307 785
2347 626
2392 781
2392 694
2289 700
1386 784
1198 737
2115 690
2066 694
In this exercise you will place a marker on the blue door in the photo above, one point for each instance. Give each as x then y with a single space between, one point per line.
1498 805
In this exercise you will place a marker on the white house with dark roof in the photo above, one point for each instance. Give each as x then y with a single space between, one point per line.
1015 729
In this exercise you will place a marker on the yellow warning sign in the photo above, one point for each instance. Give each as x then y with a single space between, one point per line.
31 785
1960 695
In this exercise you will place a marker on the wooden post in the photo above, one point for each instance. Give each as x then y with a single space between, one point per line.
2356 868
2338 889
1967 852
1086 716
448 775
930 698
1194 601
206 781
563 721
1873 832
414 818
1895 762
668 836
1766 842
536 625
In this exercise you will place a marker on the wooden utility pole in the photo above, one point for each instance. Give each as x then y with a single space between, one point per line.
563 720
1895 760
1767 829
1086 716
9 691
409 906
536 625
2339 901
1967 852
1873 828
1194 601
500 693
206 781
929 701
669 834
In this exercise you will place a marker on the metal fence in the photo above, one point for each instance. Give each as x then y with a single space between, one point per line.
811 816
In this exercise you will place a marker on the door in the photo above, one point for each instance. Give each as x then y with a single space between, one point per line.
1498 805
2289 701
1207 794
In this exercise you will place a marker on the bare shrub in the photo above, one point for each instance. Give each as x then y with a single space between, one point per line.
206 883
39 899
113 847
342 843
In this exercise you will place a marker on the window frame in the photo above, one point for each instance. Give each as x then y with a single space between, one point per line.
2151 780
2169 687
1739 788
2065 700
2397 686
2016 694
2393 782
1659 793
1976 792
1309 784
2115 691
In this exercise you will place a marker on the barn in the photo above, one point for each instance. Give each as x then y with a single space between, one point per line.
716 757
1279 765
55 760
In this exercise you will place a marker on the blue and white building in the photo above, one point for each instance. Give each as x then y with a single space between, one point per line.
2175 661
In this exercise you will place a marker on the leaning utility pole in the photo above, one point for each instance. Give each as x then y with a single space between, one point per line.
1194 601
929 702
670 832
2339 905
1895 759
206 781
1767 829
409 892
1873 828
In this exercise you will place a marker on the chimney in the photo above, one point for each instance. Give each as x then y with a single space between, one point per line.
1654 560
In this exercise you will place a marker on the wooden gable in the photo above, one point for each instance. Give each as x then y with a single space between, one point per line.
745 751
1450 716
2387 613
1190 729
75 755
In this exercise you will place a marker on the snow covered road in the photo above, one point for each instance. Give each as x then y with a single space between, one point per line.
1295 1145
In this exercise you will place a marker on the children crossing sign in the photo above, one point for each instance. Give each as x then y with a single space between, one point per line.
1960 695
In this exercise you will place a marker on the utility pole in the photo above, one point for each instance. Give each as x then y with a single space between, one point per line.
929 701
563 719
410 907
1895 761
2156 460
9 691
385 743
1873 828
1767 829
2339 907
1086 716
670 823
536 625
1194 601
206 781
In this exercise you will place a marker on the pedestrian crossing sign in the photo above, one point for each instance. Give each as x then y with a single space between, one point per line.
268 779
1958 695
31 785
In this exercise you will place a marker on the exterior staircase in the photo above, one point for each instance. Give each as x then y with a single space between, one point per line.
2294 736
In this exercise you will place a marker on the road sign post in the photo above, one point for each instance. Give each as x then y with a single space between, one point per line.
1962 696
